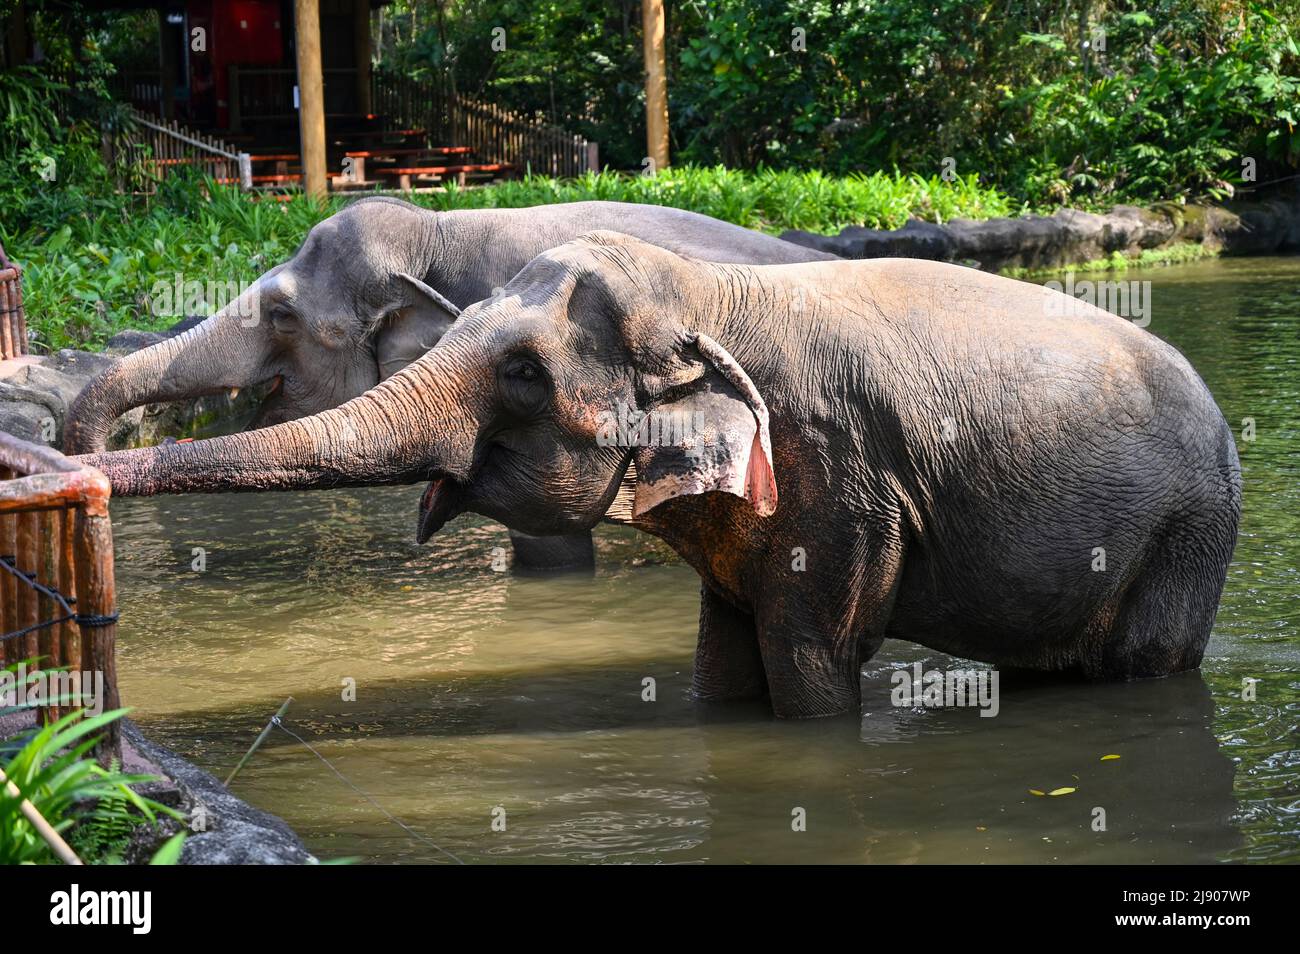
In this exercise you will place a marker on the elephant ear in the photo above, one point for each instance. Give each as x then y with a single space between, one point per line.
414 328
708 432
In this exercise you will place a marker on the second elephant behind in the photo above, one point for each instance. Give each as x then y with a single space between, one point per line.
370 290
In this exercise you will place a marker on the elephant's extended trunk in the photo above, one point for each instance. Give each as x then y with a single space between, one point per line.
414 423
227 350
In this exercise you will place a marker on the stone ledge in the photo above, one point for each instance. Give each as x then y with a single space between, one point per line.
37 390
1070 237
237 833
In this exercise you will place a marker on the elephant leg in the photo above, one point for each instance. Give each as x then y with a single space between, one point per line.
548 554
728 664
815 636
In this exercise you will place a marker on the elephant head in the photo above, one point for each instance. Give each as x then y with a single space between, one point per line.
346 311
588 375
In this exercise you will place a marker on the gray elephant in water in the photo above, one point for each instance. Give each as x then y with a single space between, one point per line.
370 290
957 464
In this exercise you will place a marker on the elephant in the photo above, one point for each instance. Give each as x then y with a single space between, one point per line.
958 465
370 290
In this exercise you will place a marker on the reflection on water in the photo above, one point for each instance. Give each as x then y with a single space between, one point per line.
477 689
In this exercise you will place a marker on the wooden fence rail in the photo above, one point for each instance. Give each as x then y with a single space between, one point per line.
156 148
495 134
58 607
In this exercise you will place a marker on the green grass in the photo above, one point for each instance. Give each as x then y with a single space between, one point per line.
91 268
1176 254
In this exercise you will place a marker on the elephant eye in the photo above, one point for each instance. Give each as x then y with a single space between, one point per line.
526 371
284 321
524 386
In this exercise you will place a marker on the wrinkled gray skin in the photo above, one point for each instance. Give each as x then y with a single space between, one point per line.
948 458
369 291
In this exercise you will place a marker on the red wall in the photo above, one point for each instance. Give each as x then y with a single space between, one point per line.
240 32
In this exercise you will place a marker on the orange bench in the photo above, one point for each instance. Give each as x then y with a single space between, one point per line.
379 152
359 157
281 160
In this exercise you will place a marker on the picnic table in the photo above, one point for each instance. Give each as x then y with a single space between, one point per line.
384 154
281 160
404 173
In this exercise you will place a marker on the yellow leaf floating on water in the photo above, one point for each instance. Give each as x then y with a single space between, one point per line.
1060 791
1107 758
1034 791
980 828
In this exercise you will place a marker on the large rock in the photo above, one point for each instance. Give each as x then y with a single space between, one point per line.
1069 236
236 832
37 390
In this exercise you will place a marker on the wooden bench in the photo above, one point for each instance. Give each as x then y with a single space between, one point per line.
378 152
265 180
416 155
404 173
281 160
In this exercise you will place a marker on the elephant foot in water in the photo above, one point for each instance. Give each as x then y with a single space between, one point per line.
563 554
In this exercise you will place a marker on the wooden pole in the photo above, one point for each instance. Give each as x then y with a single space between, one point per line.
97 612
51 647
311 96
261 737
656 83
28 602
361 36
38 822
12 648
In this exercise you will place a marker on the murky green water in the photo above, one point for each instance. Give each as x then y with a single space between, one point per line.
477 689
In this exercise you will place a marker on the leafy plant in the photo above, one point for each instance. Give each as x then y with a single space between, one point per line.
52 767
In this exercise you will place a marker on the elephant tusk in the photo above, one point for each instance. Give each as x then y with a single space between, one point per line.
234 393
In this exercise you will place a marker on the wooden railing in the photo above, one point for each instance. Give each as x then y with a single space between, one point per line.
58 608
498 135
156 148
495 134
13 322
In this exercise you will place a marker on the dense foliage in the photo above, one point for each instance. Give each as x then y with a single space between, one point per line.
95 809
90 272
812 114
1086 102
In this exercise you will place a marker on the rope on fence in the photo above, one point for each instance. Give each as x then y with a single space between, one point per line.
9 563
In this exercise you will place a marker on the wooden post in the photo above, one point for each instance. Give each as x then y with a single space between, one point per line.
28 601
311 96
70 652
48 573
97 602
656 83
13 650
361 37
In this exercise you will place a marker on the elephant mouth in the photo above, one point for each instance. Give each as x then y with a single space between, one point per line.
440 502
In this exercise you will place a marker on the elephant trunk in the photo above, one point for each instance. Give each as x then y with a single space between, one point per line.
226 351
414 424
